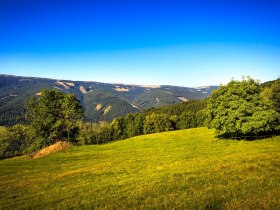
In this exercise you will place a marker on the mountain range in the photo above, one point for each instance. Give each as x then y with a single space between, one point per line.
101 101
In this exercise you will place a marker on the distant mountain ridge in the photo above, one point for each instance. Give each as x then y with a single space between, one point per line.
101 101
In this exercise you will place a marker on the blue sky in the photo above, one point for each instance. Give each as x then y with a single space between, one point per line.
187 43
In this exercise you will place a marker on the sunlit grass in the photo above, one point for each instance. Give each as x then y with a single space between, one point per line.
2 129
188 169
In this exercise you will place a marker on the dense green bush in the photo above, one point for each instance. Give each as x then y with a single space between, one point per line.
243 108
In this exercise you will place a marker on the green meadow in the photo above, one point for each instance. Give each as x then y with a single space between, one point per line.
2 129
186 169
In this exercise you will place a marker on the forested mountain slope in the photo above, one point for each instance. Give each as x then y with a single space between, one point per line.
101 101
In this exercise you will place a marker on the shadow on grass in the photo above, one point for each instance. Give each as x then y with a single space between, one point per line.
249 137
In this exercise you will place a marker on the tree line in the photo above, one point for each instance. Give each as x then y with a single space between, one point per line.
174 117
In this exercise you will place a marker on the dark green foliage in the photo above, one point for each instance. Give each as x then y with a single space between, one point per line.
201 118
71 111
54 115
118 128
271 93
238 109
156 123
187 120
95 133
133 125
275 95
174 119
15 141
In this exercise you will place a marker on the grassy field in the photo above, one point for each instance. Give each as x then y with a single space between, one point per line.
187 169
2 129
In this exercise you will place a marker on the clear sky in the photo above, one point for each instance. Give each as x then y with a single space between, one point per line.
186 43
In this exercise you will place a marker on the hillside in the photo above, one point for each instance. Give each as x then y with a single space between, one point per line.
101 101
187 169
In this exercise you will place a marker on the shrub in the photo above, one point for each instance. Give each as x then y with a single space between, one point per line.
238 109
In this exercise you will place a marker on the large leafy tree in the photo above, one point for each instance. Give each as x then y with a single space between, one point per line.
54 115
238 109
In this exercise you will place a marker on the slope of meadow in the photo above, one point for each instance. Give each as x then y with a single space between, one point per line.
187 169
2 129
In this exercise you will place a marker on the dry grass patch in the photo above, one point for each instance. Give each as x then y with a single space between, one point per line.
58 146
98 107
83 90
107 109
62 84
183 99
121 89
70 84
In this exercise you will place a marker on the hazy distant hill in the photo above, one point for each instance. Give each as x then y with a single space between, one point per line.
101 101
